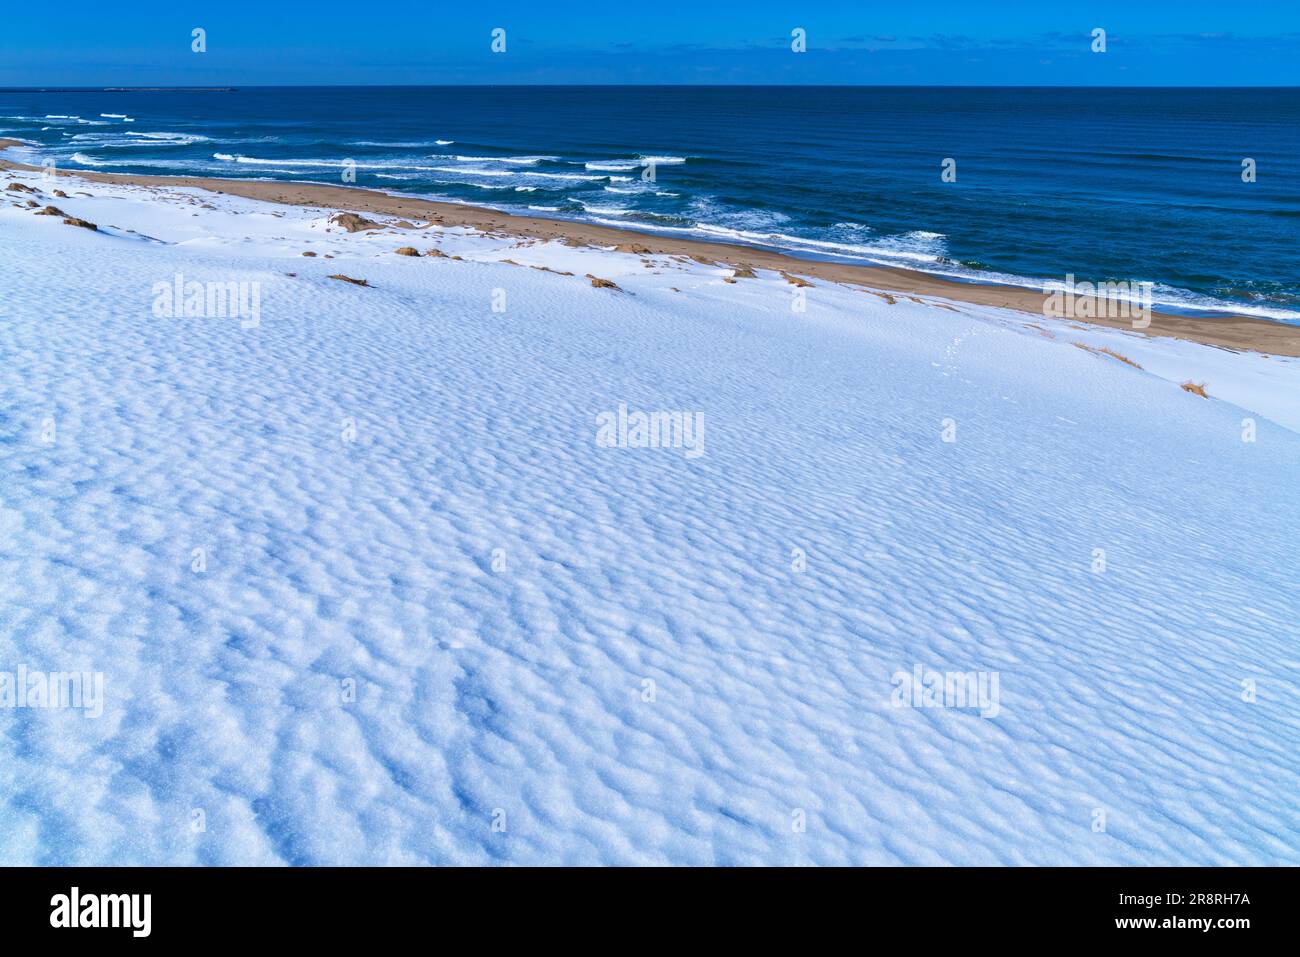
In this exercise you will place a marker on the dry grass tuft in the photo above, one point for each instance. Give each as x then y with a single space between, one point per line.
1194 388
1125 359
1102 351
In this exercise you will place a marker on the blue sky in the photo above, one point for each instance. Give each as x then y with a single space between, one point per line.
1149 42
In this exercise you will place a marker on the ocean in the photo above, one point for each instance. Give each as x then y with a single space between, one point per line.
1124 185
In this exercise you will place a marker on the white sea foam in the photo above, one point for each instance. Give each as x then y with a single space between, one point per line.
183 139
605 210
303 163
400 144
469 171
185 166
615 166
882 252
516 160
323 163
472 171
870 251
64 120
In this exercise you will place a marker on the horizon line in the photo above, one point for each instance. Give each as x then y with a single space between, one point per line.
225 88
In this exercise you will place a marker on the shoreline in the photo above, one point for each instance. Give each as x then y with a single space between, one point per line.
1232 332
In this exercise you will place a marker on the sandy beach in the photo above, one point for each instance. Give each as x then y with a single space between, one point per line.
1229 332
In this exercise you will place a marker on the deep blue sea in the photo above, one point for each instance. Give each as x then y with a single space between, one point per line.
1106 184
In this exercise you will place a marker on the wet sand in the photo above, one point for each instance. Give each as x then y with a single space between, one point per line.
1238 333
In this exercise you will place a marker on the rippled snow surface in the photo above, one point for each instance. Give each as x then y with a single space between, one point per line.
470 634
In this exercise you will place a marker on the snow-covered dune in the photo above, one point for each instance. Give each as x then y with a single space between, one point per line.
366 582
